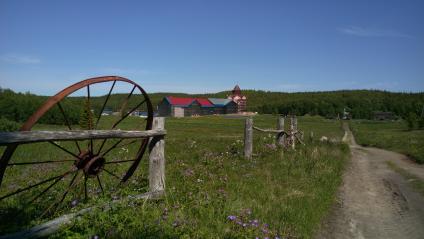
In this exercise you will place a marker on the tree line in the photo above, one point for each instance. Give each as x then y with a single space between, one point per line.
360 103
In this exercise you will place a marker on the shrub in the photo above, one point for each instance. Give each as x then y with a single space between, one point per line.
411 120
421 122
8 125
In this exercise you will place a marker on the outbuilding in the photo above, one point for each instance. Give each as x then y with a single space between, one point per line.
224 106
182 106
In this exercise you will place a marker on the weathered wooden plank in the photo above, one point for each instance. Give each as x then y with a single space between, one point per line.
281 137
268 130
24 137
248 138
300 140
157 158
48 228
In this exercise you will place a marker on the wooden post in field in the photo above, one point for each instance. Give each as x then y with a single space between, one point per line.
281 136
295 123
292 129
157 159
248 138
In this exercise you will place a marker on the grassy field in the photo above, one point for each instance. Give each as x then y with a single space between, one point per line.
212 191
390 135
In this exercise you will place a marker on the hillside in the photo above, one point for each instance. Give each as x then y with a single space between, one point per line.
18 106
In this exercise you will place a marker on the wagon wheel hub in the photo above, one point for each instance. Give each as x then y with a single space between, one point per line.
90 164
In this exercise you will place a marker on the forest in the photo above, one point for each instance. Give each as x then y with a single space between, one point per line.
17 107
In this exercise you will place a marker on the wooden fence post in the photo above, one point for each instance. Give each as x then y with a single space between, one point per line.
292 131
295 123
248 138
157 159
281 136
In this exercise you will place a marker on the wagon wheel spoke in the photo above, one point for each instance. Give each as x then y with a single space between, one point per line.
67 123
62 148
134 166
120 120
90 120
128 113
120 161
113 146
116 145
110 173
46 189
129 143
100 184
104 104
33 186
42 162
124 103
56 204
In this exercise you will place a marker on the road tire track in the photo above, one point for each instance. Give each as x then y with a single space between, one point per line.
374 201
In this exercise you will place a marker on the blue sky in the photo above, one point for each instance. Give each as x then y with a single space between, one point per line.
209 46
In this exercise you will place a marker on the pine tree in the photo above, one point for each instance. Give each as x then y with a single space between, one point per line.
86 116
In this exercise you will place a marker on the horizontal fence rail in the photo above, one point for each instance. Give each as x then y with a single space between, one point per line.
284 138
269 130
24 137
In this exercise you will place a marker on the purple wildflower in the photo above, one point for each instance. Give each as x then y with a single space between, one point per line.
175 224
232 218
188 172
271 146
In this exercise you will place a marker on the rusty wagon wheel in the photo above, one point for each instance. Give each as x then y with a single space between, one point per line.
73 170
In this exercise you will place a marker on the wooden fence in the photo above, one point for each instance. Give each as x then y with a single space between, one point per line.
284 139
156 165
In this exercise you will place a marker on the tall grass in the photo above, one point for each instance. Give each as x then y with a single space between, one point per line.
213 192
390 135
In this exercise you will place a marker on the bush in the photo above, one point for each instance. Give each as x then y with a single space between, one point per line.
411 120
8 125
421 123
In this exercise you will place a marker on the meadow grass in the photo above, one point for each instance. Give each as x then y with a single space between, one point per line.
390 135
211 190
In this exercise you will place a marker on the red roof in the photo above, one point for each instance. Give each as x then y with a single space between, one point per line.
179 101
187 101
204 102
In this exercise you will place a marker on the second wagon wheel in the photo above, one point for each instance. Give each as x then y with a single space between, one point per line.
40 179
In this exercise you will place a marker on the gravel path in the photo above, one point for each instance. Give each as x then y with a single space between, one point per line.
374 201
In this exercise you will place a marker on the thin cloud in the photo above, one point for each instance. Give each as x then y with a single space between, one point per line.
372 32
124 71
19 59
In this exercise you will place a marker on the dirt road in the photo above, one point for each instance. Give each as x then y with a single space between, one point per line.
374 201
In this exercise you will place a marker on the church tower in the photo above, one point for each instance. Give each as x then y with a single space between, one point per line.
240 99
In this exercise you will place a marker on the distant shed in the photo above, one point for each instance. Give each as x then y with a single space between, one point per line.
224 106
180 107
384 115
